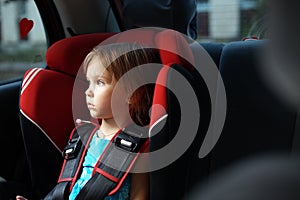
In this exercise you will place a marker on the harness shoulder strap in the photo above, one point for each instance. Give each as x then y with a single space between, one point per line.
73 157
111 169
115 163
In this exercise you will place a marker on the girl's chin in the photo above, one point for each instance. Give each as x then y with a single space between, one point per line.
94 114
97 115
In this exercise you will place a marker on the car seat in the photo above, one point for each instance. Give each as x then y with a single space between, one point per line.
47 119
258 121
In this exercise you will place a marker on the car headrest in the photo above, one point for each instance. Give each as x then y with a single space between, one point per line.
68 54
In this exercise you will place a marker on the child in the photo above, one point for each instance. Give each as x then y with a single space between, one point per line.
104 66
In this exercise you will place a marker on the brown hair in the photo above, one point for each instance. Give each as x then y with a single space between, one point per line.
120 58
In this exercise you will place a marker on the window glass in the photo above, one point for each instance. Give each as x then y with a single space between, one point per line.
230 20
22 38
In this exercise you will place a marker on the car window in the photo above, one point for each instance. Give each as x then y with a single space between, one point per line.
230 20
22 40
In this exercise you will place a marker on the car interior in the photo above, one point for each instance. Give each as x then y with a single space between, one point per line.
38 106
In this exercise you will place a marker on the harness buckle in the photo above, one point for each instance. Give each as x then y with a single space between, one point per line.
72 148
125 144
130 140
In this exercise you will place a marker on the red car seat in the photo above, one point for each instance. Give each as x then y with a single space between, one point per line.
47 118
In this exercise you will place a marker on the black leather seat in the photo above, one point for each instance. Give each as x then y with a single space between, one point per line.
258 121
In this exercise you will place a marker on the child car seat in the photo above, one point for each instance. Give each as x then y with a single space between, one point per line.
47 118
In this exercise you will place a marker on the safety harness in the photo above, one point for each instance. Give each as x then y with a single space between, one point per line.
111 168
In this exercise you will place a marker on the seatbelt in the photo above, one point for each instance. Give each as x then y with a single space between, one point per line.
110 170
73 157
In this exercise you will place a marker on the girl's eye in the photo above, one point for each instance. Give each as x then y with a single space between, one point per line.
100 82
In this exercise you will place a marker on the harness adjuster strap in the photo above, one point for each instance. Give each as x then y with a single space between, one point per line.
72 149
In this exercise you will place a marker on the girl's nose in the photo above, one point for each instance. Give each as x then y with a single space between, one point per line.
89 92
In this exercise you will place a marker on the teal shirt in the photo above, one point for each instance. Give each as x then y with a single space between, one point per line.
95 150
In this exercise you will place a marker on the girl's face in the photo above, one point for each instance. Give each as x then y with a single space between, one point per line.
98 94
